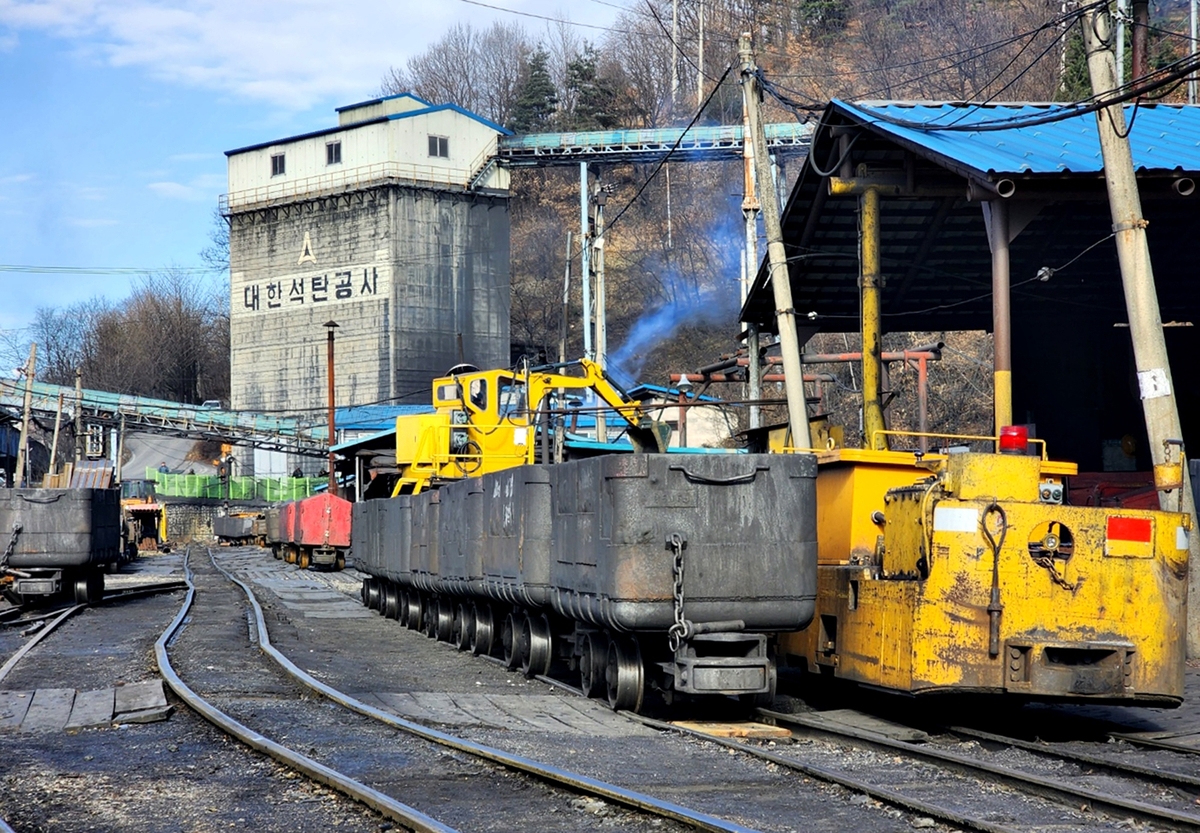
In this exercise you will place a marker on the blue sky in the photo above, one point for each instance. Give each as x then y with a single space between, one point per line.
116 115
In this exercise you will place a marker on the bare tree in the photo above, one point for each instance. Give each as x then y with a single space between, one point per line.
478 70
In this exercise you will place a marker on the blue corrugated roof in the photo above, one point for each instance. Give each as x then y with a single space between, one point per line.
1163 137
375 417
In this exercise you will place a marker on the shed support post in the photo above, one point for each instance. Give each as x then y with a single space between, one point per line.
871 321
998 239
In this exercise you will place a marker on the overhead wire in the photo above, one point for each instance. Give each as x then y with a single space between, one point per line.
666 158
548 18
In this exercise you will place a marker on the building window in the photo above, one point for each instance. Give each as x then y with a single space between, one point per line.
439 146
277 166
333 153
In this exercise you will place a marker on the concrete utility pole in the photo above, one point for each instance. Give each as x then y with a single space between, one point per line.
750 209
601 311
23 443
54 442
585 259
700 61
674 53
333 487
566 307
1141 301
785 314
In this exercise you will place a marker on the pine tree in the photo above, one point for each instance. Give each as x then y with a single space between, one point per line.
537 99
594 96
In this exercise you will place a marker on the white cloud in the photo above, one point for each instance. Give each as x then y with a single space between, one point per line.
289 53
91 222
201 188
15 179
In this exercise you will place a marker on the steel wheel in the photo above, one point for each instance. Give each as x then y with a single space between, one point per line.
445 620
429 614
593 662
536 645
340 562
415 610
464 625
304 559
624 674
374 593
483 633
509 635
391 601
88 587
365 593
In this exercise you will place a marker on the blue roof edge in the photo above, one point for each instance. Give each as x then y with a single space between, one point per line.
435 108
382 99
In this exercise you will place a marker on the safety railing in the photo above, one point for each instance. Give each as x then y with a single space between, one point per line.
346 179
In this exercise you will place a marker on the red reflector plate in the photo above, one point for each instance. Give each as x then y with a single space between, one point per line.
1129 529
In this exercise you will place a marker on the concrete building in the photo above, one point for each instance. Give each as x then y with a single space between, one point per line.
394 224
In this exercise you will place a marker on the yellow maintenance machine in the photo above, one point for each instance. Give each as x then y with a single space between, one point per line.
966 573
488 420
144 517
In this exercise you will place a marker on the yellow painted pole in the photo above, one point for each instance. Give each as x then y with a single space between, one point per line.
872 325
1001 318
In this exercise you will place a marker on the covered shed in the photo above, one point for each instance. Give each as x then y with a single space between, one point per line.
979 204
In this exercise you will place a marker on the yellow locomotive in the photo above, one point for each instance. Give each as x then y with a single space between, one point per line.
965 572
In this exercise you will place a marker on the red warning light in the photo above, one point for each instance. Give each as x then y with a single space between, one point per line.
1014 439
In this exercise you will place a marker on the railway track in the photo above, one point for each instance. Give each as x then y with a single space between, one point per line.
59 614
1088 782
16 615
544 792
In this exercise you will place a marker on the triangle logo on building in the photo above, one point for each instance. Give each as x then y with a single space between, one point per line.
306 252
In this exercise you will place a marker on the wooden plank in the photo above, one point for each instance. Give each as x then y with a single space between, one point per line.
49 710
482 708
404 705
737 729
13 705
91 709
441 708
138 696
535 711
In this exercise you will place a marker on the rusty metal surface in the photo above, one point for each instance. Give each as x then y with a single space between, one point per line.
92 474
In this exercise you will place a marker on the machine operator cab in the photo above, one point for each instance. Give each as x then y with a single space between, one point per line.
487 420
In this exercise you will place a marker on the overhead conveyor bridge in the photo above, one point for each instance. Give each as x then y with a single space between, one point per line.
158 416
711 142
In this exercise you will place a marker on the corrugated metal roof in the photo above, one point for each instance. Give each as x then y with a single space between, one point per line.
1164 137
91 474
375 417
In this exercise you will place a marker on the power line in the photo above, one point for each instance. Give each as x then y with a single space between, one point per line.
550 19
104 270
674 147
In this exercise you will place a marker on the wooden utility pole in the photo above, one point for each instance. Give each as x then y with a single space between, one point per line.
1157 388
785 314
23 444
78 414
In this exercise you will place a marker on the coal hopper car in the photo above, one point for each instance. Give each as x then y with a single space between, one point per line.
639 572
312 531
58 541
